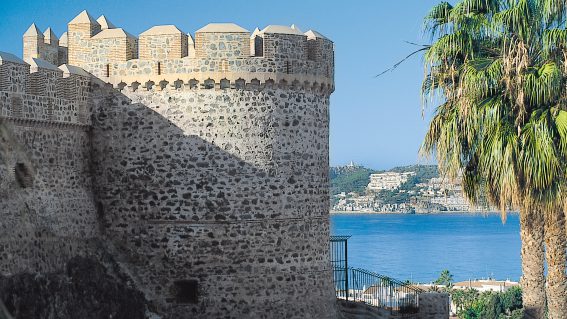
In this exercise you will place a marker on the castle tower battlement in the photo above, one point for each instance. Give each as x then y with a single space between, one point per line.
198 163
42 45
40 91
223 53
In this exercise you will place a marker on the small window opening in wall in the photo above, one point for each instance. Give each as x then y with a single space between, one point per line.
23 175
186 291
159 68
108 70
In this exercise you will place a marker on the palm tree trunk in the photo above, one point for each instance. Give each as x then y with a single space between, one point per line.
533 280
556 257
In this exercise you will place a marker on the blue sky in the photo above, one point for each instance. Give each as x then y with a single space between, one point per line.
376 122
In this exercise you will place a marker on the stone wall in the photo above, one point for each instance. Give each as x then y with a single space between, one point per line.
32 44
38 47
62 55
205 178
114 49
14 76
224 45
44 83
433 305
34 109
48 211
225 187
63 50
50 52
307 73
79 39
285 47
220 51
360 310
163 45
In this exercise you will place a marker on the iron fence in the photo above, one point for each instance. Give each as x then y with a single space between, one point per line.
385 292
355 284
339 262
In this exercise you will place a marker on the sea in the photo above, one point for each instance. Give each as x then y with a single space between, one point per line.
418 247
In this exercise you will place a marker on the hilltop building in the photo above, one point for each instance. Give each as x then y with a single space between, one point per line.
351 164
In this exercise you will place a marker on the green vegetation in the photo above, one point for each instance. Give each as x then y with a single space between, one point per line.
446 278
349 179
355 179
496 71
409 189
472 304
423 173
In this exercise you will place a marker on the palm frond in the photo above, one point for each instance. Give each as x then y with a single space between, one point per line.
544 85
555 39
561 127
437 20
539 161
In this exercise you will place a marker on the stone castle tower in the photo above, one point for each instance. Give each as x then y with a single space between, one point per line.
199 163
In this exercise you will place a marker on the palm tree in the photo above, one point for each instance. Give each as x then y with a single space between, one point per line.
501 123
445 279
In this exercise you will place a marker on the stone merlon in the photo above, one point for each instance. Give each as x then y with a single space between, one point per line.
218 51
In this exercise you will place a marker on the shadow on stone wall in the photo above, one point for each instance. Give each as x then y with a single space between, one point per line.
212 205
235 205
84 290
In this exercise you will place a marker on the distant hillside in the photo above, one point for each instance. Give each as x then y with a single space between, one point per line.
423 173
353 178
349 179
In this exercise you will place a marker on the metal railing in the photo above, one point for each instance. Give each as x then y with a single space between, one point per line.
380 291
355 284
339 262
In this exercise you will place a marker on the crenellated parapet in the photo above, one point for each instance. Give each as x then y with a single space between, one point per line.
63 49
222 41
43 46
221 53
190 74
163 42
79 33
284 43
204 174
40 91
220 56
14 74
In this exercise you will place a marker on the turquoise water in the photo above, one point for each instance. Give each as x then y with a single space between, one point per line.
419 247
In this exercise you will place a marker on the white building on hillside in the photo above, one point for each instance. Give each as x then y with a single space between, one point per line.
455 202
486 285
388 180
